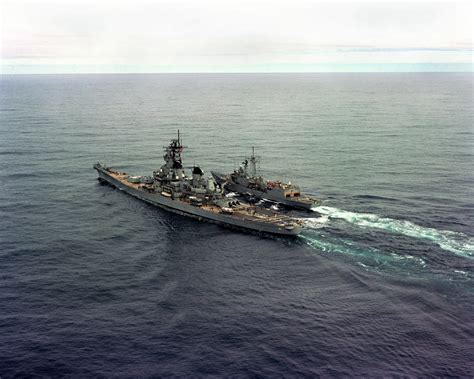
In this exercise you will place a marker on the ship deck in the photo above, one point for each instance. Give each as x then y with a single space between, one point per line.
243 211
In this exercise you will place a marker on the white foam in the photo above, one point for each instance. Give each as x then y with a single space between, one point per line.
457 243
347 248
316 222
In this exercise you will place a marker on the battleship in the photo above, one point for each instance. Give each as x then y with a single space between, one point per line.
246 181
197 197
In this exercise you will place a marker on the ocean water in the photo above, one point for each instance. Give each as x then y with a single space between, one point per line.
380 283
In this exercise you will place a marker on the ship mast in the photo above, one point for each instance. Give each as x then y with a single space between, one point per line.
253 164
172 157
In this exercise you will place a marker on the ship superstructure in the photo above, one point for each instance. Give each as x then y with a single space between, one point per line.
197 196
171 181
246 180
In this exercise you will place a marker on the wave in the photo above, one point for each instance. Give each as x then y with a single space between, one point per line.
375 197
316 222
455 242
365 255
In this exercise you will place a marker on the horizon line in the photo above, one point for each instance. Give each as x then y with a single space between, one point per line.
236 73
280 68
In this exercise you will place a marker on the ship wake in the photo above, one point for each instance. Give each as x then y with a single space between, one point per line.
367 257
455 242
316 222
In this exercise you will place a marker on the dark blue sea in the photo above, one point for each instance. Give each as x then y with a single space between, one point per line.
94 283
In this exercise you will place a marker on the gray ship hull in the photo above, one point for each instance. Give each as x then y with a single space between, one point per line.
234 187
188 210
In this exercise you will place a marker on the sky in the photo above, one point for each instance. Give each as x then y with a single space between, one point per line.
85 36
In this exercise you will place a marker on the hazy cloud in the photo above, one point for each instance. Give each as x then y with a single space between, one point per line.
232 33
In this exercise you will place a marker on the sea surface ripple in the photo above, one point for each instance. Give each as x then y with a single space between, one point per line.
380 282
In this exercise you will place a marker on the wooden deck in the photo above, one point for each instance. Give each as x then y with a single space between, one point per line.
243 211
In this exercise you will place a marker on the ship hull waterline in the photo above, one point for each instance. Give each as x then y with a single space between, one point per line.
188 210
